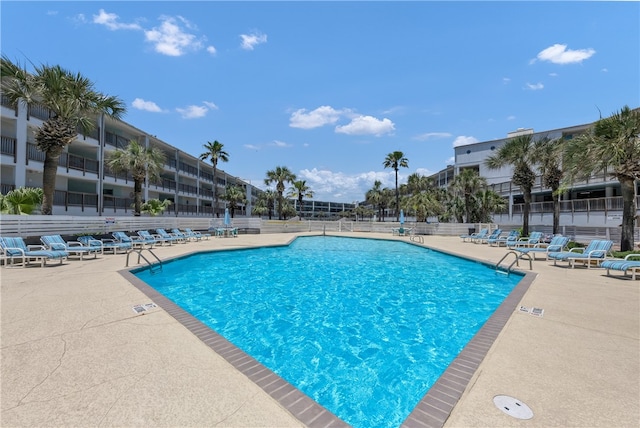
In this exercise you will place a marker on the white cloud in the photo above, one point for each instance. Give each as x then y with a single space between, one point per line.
367 125
252 147
323 115
559 54
464 141
451 160
534 86
431 136
171 39
553 74
141 104
211 105
512 117
337 186
250 41
280 144
193 112
506 80
422 171
110 20
604 70
212 50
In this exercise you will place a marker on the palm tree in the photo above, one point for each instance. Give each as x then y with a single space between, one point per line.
465 185
22 201
300 190
265 203
236 196
396 160
155 207
488 202
280 175
73 105
216 153
613 146
374 197
548 155
139 161
518 152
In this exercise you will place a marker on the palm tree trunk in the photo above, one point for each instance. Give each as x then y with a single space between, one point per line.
397 198
49 173
628 212
556 210
525 211
215 192
137 197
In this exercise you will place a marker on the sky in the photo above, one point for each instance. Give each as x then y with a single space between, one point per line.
328 89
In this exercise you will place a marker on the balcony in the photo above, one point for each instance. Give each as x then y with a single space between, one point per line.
577 205
189 169
185 188
8 147
75 199
66 160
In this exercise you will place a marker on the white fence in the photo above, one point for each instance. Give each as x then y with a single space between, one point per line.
38 225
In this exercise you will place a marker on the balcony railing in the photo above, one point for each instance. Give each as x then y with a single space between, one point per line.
66 160
577 205
164 184
186 188
8 147
6 188
189 169
75 199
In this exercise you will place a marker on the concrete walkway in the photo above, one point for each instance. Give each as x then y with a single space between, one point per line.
75 354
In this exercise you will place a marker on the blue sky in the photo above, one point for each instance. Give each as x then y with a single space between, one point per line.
328 89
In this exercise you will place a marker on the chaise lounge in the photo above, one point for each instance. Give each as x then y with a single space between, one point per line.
73 248
594 253
558 244
623 265
15 248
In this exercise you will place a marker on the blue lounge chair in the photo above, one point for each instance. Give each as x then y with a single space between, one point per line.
624 265
509 240
470 237
596 251
105 244
73 248
15 248
171 237
184 235
491 237
201 235
154 238
135 241
533 239
558 244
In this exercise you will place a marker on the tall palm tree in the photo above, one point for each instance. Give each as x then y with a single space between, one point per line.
265 203
280 175
417 183
396 160
236 196
73 105
300 190
466 185
488 202
612 146
518 152
139 161
374 197
548 156
216 153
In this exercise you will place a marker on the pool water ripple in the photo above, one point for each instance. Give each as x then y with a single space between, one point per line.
364 327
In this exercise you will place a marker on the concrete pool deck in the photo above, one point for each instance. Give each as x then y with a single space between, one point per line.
74 353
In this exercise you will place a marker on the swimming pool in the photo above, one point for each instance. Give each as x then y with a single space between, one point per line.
362 326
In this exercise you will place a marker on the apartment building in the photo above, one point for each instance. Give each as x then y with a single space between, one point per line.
596 202
86 186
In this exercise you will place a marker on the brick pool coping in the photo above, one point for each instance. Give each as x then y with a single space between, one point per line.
434 408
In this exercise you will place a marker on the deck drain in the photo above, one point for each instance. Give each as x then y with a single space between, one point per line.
512 407
138 309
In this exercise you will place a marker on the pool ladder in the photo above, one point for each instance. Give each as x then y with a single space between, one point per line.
516 261
153 267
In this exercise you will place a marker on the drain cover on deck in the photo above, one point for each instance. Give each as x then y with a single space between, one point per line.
512 407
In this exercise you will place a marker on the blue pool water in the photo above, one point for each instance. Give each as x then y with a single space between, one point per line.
364 327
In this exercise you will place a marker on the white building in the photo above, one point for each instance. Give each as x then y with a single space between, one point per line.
85 186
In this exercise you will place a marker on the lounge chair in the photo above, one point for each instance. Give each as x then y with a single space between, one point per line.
15 248
172 237
201 235
492 238
558 244
509 240
73 248
184 235
596 251
624 265
533 239
135 241
479 235
154 237
105 244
